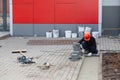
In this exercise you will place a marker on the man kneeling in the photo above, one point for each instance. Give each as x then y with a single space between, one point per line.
88 43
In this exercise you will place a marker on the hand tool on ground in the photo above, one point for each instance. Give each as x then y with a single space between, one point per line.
23 59
45 66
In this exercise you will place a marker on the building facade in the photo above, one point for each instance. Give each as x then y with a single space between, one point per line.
36 17
32 17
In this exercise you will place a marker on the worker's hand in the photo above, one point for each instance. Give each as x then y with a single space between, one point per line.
81 46
83 50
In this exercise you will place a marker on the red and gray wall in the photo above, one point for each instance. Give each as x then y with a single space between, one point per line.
30 17
111 17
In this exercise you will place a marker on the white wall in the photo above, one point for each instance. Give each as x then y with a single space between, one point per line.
111 2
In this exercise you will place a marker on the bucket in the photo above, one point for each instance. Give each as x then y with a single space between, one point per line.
55 33
95 34
88 29
81 29
68 34
80 34
74 35
49 34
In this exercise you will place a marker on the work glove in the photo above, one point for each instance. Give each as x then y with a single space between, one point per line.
81 46
83 50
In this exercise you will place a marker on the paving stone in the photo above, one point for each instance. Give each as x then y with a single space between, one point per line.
57 55
54 54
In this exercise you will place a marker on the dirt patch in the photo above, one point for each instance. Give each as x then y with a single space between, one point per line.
51 42
111 66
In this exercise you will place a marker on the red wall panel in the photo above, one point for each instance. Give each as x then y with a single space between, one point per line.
44 11
65 1
87 12
22 1
55 11
23 13
65 13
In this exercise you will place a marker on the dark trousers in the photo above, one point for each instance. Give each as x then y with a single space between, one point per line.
91 49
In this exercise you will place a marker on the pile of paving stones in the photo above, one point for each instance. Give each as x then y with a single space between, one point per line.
51 42
111 66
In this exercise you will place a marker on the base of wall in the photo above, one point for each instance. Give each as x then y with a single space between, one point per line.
111 33
41 29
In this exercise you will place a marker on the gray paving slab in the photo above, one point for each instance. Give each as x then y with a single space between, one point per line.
106 43
89 70
91 65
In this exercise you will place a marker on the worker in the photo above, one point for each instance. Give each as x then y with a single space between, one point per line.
88 44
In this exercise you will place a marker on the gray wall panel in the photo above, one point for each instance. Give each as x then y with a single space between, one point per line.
63 27
41 29
111 19
111 2
111 16
23 29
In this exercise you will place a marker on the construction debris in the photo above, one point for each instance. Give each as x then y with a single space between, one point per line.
45 66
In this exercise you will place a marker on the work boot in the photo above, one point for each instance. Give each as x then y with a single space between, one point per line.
89 54
95 54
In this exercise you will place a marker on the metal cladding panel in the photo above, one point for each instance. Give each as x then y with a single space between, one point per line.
22 1
111 17
87 12
41 29
111 2
65 1
23 29
23 13
111 21
65 14
55 11
44 11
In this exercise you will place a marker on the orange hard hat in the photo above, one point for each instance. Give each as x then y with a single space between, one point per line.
87 36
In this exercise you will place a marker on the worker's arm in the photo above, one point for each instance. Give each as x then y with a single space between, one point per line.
82 49
80 41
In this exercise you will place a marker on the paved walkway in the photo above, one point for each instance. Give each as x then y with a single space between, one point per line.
111 43
57 55
91 65
89 70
